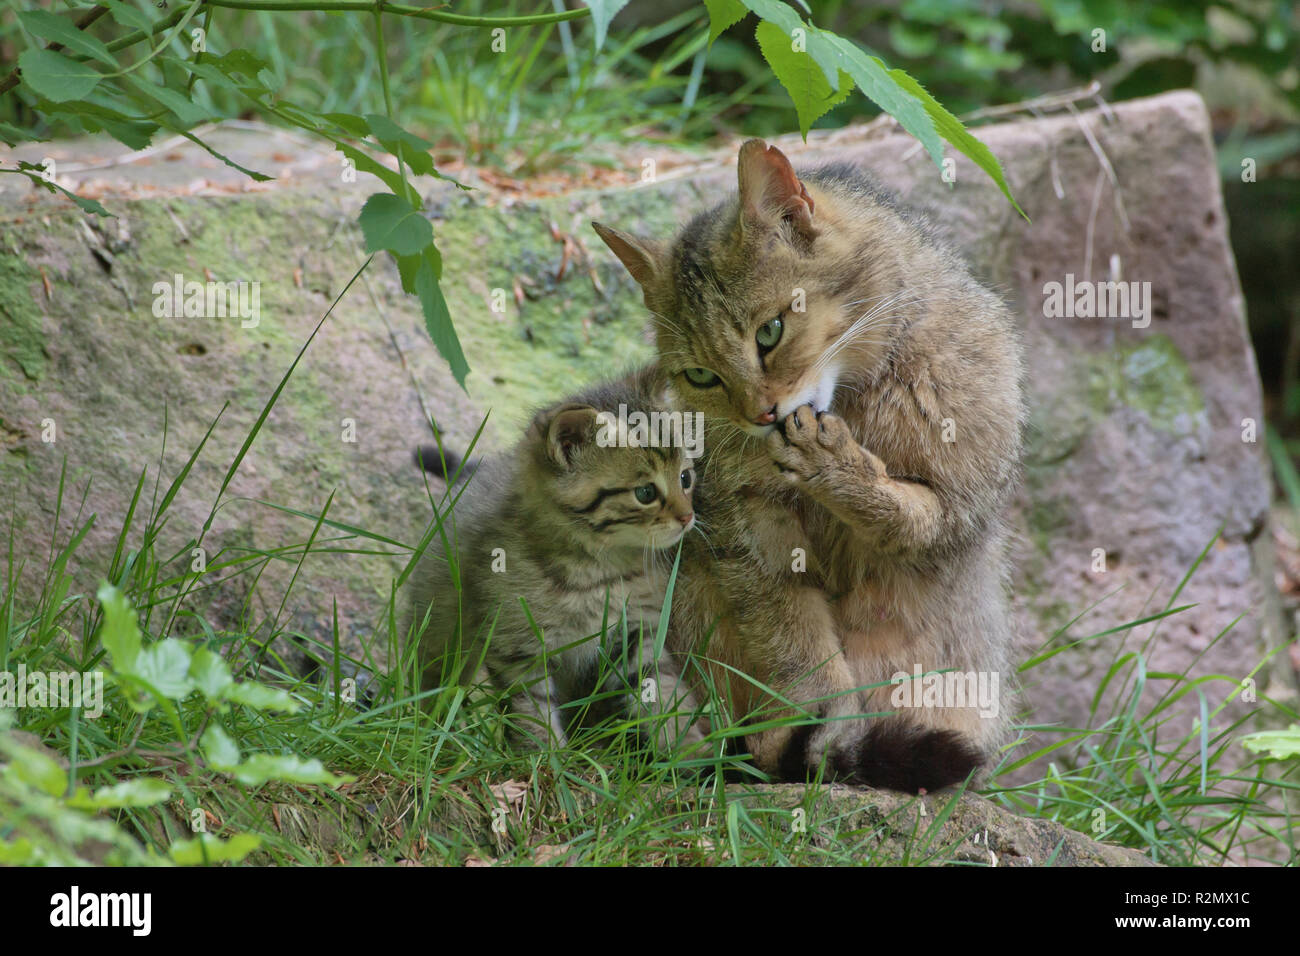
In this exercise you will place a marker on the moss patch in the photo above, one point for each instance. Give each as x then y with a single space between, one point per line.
21 336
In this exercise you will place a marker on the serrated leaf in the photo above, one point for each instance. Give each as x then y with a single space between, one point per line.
390 222
55 76
437 319
260 697
120 634
250 173
389 134
801 76
367 164
352 124
142 792
723 15
125 129
185 109
210 673
58 30
951 129
34 173
1278 744
219 750
208 848
128 15
603 11
166 668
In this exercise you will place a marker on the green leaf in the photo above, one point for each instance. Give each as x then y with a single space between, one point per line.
951 129
389 222
127 15
1278 744
250 173
366 164
801 76
350 123
602 11
207 848
58 30
33 767
55 76
33 172
723 15
438 320
219 750
186 110
290 768
210 673
389 134
125 129
166 668
141 792
120 634
12 135
21 852
260 697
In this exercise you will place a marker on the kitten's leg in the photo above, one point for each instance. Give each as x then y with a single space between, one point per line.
663 701
534 712
817 452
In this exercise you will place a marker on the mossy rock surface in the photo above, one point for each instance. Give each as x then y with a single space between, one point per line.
1136 448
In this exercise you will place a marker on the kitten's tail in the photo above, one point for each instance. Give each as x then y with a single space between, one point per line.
445 464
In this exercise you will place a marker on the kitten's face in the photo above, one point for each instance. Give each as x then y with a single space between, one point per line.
620 497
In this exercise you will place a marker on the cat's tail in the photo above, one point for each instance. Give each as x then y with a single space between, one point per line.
892 754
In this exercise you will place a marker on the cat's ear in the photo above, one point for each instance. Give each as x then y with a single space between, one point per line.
770 191
644 258
567 429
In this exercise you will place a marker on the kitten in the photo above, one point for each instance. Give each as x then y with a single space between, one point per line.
560 537
865 414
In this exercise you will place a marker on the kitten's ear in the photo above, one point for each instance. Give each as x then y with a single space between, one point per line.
567 428
770 191
644 258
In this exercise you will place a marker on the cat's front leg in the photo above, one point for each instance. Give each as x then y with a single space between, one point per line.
666 706
817 452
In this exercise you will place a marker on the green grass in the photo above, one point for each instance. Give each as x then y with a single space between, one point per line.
426 777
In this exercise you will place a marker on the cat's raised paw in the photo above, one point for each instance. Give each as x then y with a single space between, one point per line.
809 443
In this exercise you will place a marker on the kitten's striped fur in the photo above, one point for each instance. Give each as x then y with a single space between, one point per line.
559 520
879 436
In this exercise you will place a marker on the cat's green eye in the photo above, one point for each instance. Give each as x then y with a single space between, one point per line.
646 494
701 377
769 333
688 479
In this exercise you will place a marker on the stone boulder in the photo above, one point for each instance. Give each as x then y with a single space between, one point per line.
1146 435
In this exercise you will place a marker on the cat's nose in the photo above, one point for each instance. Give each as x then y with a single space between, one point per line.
687 518
767 418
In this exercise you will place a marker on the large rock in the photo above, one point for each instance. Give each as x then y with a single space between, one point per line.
1136 455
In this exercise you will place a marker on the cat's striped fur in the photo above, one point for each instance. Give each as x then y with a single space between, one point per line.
554 531
865 412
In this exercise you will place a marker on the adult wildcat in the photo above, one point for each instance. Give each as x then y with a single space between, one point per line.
864 397
556 541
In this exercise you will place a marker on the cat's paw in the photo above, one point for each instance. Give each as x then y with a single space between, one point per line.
810 444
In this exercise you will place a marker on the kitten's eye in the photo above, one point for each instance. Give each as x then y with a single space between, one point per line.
688 479
701 377
769 333
646 494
